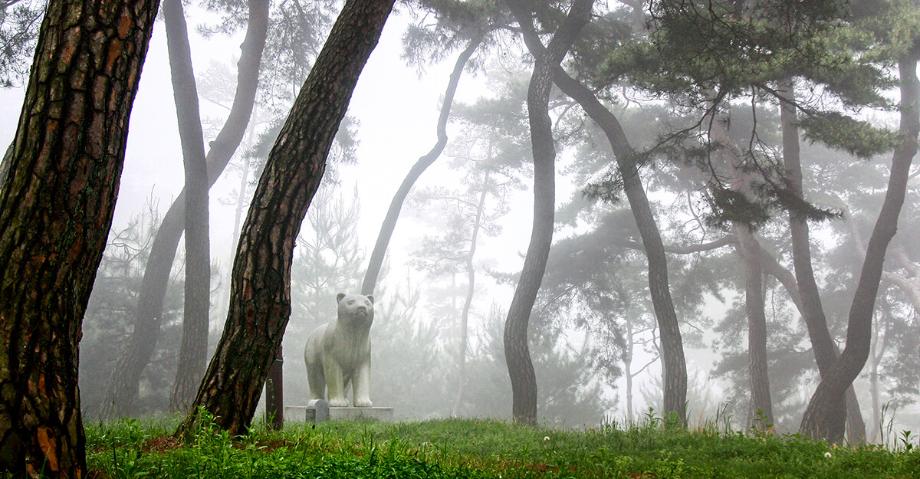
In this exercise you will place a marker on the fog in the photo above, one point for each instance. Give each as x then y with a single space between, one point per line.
593 336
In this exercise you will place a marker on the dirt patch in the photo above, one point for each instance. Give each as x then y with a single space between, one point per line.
161 444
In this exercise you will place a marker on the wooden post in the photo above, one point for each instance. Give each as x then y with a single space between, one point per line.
274 393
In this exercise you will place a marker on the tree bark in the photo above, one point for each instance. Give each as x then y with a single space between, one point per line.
761 414
389 222
468 301
820 420
260 289
809 296
193 352
517 353
123 390
57 196
674 364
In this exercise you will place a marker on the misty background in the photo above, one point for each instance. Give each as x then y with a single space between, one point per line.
593 315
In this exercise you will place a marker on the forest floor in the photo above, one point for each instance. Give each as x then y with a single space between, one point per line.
465 448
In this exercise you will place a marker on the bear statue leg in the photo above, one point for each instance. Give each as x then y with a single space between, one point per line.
317 380
361 384
335 382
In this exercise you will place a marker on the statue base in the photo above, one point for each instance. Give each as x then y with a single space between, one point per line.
319 411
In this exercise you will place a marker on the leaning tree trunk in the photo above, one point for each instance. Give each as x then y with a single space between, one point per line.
674 364
193 352
761 413
389 221
517 353
59 185
122 393
825 350
820 420
261 285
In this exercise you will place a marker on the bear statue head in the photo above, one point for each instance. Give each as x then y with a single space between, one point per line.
356 309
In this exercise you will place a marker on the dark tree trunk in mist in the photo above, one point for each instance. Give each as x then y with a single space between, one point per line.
274 392
674 364
123 390
820 420
389 222
517 353
260 302
468 301
809 304
194 349
761 413
58 185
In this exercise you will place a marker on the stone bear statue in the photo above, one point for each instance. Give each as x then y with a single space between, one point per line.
339 352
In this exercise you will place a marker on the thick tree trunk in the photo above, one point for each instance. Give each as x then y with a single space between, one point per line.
59 185
517 353
761 414
468 301
674 364
122 393
261 286
819 420
193 352
810 305
422 164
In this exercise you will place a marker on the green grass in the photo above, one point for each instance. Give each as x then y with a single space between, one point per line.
477 449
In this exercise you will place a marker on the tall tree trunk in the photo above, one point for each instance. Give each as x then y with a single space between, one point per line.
58 185
122 393
468 301
517 353
674 364
261 286
628 357
875 354
422 164
193 352
820 420
811 308
761 414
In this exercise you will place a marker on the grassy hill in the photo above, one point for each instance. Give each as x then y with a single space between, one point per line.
479 449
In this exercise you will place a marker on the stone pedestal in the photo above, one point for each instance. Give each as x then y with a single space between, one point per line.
351 413
319 411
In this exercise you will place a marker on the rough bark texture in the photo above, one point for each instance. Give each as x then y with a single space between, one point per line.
819 420
422 164
809 297
59 185
672 349
761 413
517 353
123 390
260 302
193 352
